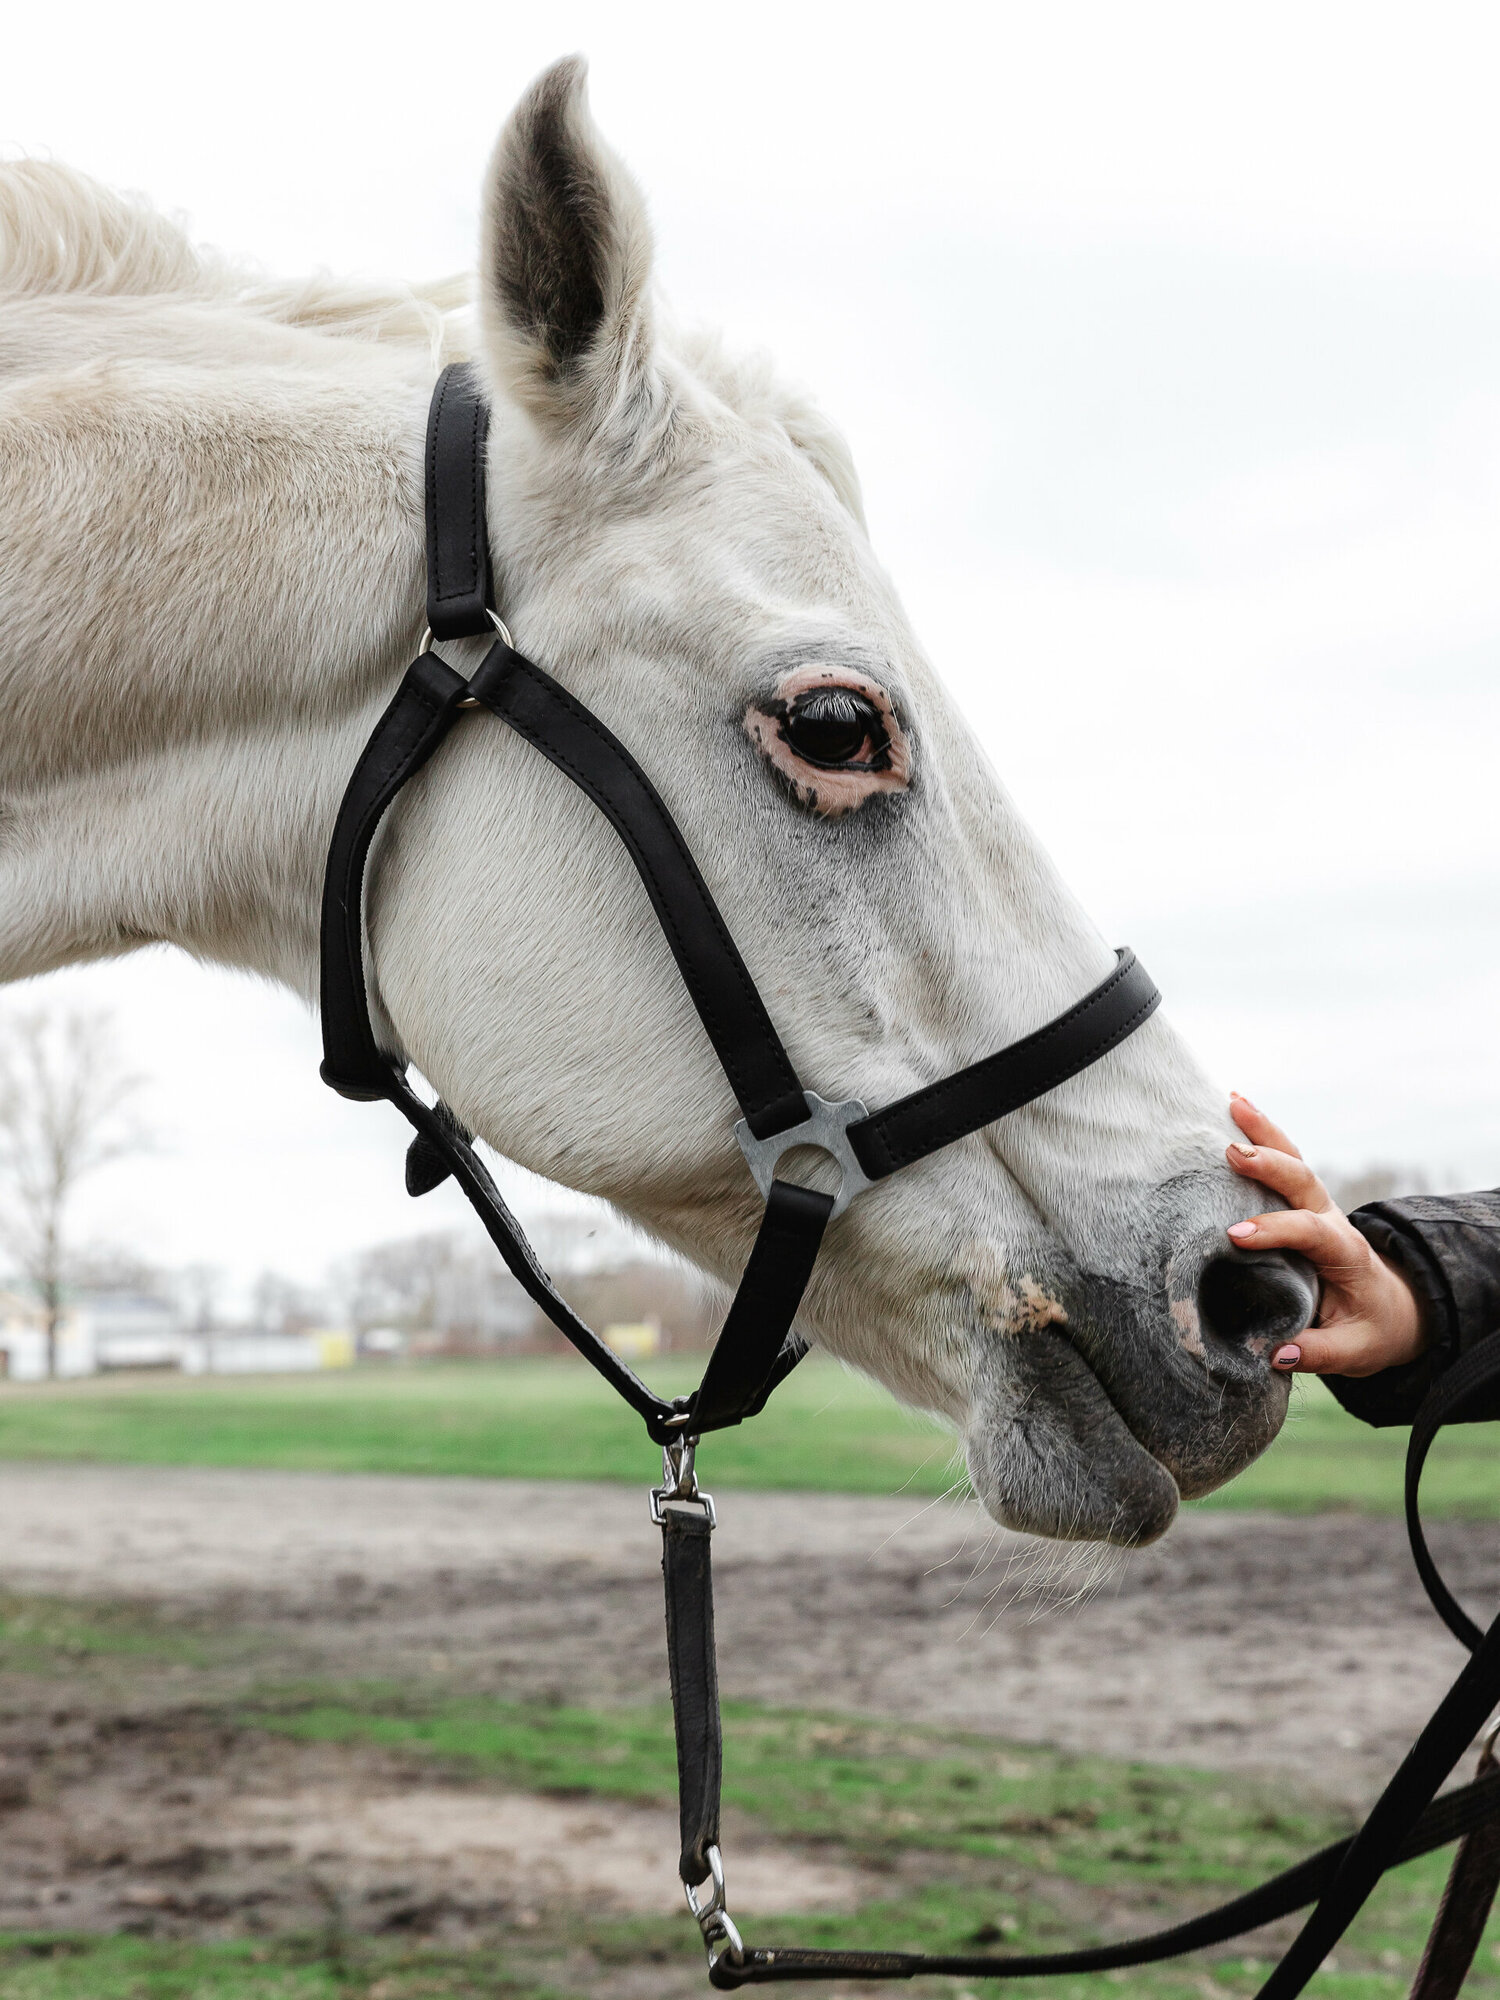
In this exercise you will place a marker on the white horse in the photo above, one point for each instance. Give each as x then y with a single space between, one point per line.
211 578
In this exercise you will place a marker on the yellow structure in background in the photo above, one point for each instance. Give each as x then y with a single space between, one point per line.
335 1347
634 1340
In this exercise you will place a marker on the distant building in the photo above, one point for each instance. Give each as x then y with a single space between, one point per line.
118 1330
249 1351
131 1330
634 1340
23 1341
382 1343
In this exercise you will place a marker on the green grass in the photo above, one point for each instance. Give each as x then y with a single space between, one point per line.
115 1968
1326 1462
825 1429
46 1967
1017 1828
40 1635
875 1788
984 1847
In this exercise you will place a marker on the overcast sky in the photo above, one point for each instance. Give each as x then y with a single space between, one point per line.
1168 341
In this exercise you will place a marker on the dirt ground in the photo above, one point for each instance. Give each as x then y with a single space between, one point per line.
1250 1642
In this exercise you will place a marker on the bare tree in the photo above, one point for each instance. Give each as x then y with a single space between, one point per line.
282 1305
399 1283
199 1287
443 1285
63 1097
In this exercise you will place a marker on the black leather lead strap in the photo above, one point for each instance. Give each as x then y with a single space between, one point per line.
1454 1723
1468 1897
1378 1844
759 1070
1463 1383
1452 1817
686 1528
1408 1818
1456 1815
1449 1818
974 1097
458 543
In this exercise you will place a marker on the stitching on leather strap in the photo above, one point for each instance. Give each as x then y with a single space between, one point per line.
904 1154
433 428
446 592
476 567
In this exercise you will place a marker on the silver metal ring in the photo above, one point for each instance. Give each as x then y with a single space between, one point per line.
495 619
724 1941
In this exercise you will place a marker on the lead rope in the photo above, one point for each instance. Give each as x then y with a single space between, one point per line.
1406 1821
1468 1897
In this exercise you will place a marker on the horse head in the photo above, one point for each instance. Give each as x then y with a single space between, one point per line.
213 494
680 539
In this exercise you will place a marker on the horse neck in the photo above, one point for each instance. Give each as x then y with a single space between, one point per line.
217 579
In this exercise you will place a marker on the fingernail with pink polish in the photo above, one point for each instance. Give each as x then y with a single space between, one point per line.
1245 1152
1240 1230
1286 1357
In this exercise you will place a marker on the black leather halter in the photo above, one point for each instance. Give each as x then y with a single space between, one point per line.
757 1347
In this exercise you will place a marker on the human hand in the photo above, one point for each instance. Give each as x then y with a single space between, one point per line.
1368 1316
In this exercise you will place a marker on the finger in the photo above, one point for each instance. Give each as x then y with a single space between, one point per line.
1257 1127
1285 1173
1325 1239
1335 1350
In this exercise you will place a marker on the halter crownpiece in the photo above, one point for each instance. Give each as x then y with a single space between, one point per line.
757 1346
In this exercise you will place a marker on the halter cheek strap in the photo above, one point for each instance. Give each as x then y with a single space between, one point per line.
757 1346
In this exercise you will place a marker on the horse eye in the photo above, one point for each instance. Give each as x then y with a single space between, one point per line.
833 727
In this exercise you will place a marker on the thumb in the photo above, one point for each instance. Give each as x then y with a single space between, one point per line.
1330 1350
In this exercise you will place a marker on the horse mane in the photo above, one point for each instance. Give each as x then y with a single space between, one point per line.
61 231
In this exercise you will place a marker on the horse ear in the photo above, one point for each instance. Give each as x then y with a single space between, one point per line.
566 259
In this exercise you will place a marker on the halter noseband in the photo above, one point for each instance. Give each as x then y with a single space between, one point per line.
757 1348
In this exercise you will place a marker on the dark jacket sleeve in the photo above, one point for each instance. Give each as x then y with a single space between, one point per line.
1448 1248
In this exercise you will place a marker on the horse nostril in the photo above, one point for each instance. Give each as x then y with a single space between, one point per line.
1255 1295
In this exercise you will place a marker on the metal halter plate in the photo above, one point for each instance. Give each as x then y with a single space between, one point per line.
826 1128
